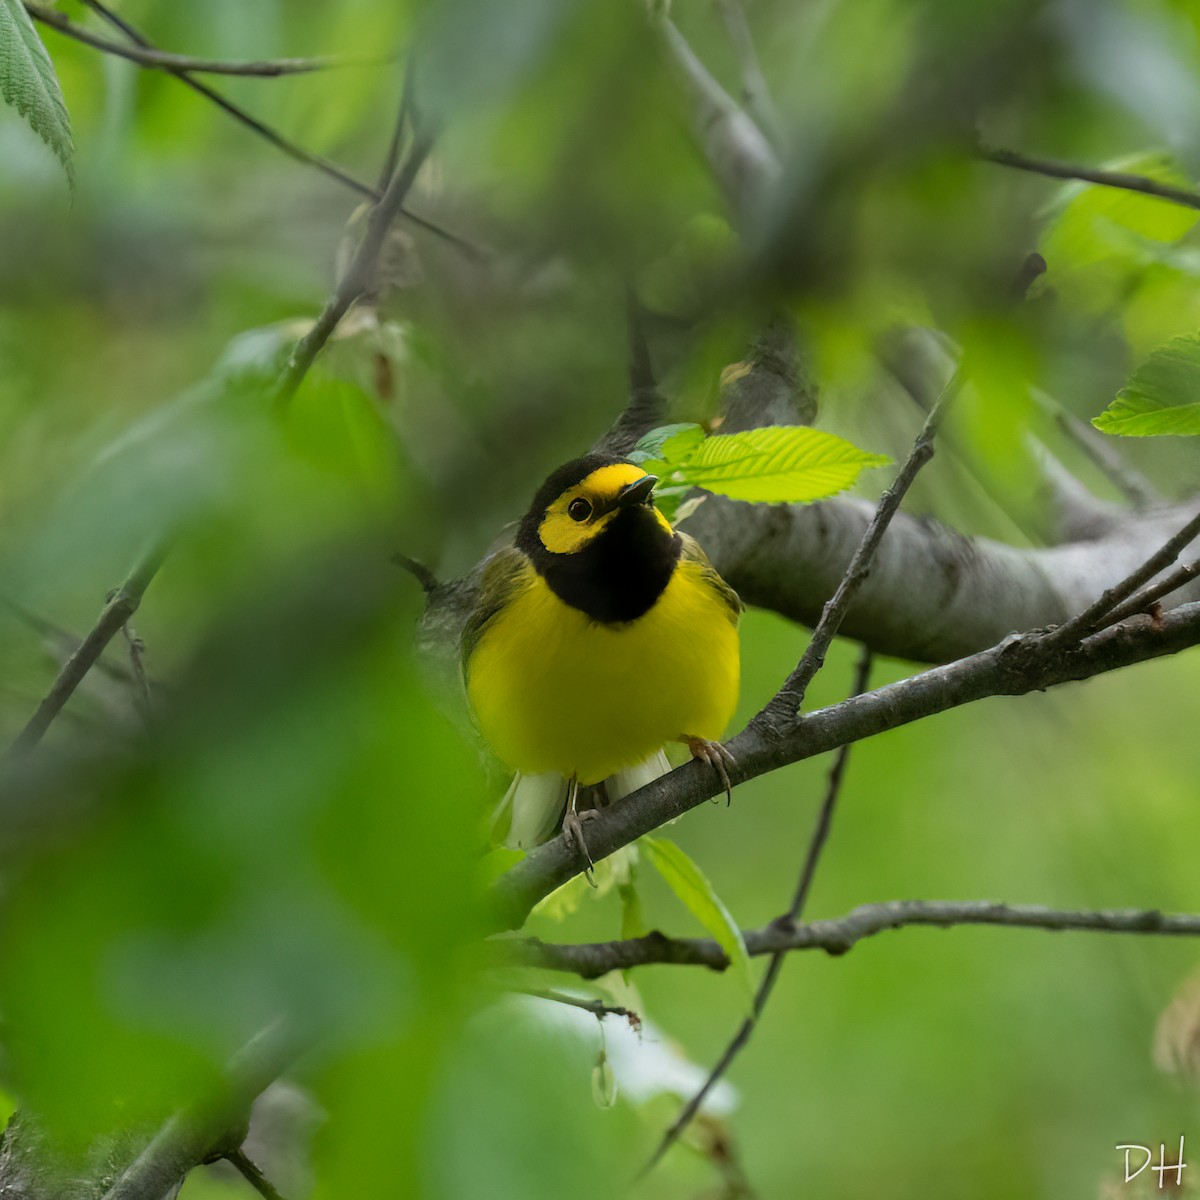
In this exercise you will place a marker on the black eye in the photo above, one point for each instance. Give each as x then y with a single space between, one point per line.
579 509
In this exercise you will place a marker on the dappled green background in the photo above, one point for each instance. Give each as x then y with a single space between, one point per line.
302 824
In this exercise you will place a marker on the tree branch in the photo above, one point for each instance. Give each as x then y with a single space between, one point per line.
358 274
741 158
933 595
597 1008
1113 179
756 95
120 607
252 1175
214 1128
790 697
162 60
294 151
836 936
1018 665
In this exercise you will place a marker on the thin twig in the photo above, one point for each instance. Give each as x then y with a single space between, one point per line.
756 95
358 273
392 158
253 1176
788 700
816 845
120 607
1113 179
1147 598
163 60
62 643
1136 488
1094 616
144 697
419 571
835 936
597 1008
277 139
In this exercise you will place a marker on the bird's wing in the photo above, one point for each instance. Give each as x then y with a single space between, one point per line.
708 574
502 577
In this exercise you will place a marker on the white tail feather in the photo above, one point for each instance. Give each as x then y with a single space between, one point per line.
534 806
532 809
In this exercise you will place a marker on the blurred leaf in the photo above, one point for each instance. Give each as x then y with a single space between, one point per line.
633 920
28 82
691 885
604 1082
1161 397
1096 243
668 443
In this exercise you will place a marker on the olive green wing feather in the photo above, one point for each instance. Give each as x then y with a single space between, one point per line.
708 573
502 576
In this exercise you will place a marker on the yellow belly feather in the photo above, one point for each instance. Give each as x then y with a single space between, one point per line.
555 691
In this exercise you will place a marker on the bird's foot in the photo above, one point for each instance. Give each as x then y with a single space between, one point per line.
572 831
717 757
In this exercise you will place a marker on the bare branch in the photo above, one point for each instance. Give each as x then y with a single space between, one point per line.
214 1128
836 936
1148 598
1094 615
756 95
741 158
253 1176
162 60
1113 179
808 872
144 698
597 1008
358 274
120 607
790 697
647 405
419 571
276 139
1136 488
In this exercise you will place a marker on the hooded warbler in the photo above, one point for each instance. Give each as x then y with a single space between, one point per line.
601 635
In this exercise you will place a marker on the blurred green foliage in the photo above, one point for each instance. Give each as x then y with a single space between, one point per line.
300 826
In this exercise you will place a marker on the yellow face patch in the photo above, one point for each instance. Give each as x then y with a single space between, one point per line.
583 511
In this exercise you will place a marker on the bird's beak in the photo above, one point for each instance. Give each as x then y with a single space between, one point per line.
637 492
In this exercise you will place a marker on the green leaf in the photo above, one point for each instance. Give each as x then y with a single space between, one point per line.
1092 217
691 885
780 464
28 82
1161 397
633 921
680 439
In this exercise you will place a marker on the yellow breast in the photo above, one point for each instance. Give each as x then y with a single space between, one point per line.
555 691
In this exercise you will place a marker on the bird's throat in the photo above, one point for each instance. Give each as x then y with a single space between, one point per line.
617 577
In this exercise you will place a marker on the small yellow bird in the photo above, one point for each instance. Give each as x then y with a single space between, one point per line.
599 637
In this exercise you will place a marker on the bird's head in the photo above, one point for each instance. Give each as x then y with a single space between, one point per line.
582 501
595 536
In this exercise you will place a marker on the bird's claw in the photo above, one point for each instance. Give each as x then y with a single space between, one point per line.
572 831
716 756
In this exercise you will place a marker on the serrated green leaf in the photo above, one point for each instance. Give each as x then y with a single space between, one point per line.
780 464
653 446
692 887
1161 397
28 83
